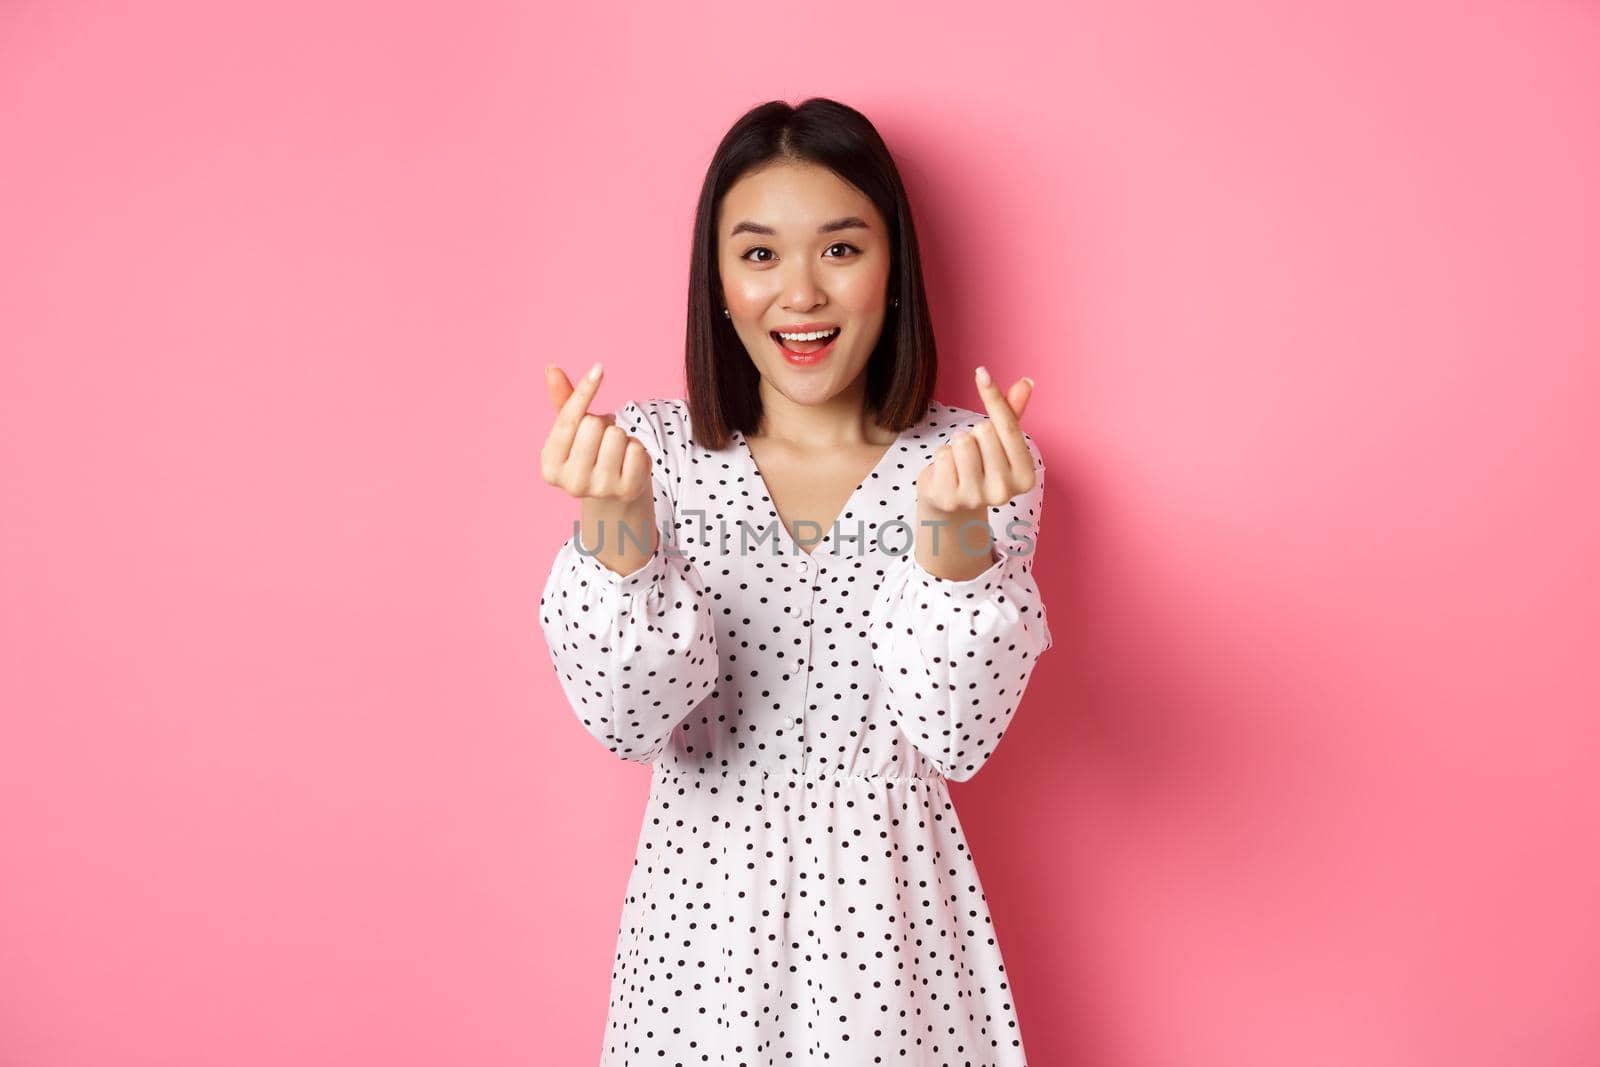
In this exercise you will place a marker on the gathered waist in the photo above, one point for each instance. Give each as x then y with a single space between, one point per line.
794 775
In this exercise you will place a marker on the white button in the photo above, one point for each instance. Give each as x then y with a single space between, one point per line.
788 723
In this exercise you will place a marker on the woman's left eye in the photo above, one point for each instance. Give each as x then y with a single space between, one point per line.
843 244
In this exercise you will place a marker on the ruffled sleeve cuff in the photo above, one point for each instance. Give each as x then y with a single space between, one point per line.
955 656
587 564
1010 575
634 653
1003 595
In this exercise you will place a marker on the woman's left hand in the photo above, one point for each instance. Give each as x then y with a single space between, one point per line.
985 466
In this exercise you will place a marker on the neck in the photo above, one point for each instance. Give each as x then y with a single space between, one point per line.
841 421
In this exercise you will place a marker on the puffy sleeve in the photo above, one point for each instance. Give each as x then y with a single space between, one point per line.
635 653
954 657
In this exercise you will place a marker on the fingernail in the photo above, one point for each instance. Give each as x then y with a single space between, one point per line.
1029 381
983 376
594 371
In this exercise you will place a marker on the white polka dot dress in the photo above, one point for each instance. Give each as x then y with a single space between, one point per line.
802 891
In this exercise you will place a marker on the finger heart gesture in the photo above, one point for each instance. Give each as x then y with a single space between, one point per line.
586 454
987 465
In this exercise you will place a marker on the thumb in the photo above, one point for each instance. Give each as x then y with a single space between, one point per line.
557 385
1019 394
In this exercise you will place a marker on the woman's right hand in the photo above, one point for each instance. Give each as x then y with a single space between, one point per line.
587 455
596 461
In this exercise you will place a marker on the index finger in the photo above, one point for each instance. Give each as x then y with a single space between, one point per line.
576 405
1005 420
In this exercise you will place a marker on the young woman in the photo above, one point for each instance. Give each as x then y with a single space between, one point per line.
804 594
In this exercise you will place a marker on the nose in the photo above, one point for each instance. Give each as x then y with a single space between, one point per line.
800 290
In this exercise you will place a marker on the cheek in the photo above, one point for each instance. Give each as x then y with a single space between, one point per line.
864 291
748 296
742 287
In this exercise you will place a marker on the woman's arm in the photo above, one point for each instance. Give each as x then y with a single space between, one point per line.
635 650
954 656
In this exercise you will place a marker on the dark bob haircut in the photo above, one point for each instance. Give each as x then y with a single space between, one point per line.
723 382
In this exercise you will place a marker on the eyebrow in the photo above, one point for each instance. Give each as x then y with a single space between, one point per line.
849 222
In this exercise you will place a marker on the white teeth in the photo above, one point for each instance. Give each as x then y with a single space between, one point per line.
816 336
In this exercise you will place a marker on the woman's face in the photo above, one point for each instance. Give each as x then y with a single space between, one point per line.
797 245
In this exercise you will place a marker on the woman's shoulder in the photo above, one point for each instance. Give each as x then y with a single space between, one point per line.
665 418
661 424
667 421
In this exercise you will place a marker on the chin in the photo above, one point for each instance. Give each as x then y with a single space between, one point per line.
806 393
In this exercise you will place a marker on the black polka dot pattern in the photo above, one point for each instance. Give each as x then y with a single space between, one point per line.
802 890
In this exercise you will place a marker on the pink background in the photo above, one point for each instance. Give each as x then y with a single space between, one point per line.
1309 294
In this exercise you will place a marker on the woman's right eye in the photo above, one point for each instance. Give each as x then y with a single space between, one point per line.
758 248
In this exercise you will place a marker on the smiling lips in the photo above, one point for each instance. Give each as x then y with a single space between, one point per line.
804 353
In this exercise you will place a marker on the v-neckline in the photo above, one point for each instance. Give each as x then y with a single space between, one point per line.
792 546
